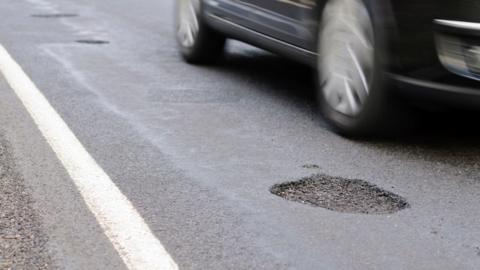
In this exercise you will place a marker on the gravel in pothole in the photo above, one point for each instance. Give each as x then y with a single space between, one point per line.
341 195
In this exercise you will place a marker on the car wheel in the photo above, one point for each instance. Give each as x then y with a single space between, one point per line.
198 43
350 69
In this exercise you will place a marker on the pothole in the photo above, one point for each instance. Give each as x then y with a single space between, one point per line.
92 41
311 166
341 195
54 15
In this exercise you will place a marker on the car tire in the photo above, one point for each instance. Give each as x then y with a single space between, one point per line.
351 61
198 43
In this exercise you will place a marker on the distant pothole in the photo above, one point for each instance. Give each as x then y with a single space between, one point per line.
54 15
341 195
92 41
311 166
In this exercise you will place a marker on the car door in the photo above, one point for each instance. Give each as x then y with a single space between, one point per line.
291 21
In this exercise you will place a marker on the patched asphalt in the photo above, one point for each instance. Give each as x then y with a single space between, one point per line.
22 240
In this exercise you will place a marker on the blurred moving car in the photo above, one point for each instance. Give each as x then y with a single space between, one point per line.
360 48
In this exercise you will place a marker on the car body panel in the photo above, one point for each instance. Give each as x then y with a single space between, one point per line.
290 28
281 20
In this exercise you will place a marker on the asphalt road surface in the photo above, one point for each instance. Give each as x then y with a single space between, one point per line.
196 151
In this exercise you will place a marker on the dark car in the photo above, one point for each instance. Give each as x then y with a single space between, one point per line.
360 48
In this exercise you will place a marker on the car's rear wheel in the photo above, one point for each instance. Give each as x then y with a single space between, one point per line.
351 83
199 44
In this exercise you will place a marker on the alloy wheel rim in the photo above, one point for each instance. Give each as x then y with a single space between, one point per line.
188 25
346 60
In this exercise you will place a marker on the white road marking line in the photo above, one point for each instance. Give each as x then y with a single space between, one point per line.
121 223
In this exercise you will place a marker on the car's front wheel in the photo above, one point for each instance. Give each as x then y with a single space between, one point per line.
198 43
351 83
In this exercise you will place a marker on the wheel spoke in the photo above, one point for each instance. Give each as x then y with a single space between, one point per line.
193 17
353 106
360 72
332 94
